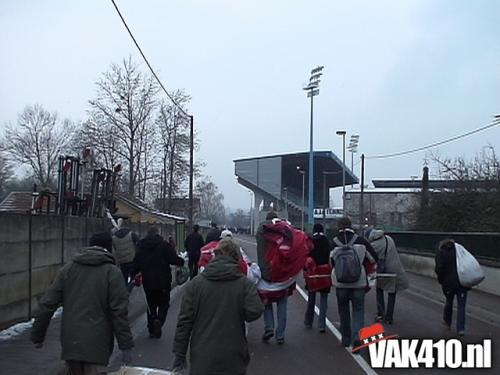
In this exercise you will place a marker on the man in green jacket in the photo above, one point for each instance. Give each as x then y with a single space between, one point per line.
95 309
215 306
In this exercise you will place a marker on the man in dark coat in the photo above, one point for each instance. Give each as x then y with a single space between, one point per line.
153 259
213 234
321 256
446 271
215 306
95 309
193 243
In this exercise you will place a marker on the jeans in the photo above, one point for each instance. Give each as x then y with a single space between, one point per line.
281 317
323 305
127 272
350 328
158 304
391 301
461 294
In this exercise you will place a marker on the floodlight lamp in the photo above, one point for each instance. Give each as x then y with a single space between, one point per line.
340 132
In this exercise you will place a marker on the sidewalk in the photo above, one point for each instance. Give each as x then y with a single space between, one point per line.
20 357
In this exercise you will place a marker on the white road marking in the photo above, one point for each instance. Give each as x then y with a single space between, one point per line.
358 358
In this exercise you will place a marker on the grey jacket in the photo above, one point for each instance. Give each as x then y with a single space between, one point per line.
124 245
95 308
392 261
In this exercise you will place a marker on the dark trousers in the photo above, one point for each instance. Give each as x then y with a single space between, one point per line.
349 328
158 304
193 265
461 294
388 313
127 272
82 368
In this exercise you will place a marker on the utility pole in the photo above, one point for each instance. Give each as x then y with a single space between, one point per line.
191 171
361 196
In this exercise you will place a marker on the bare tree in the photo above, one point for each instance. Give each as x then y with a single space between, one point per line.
471 201
211 200
173 127
5 174
37 141
122 109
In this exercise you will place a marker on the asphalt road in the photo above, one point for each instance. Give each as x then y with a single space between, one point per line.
418 315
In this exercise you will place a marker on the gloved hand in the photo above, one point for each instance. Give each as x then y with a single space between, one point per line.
126 356
179 363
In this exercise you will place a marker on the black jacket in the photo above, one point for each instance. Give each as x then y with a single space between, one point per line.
153 259
346 236
213 235
193 243
321 251
446 267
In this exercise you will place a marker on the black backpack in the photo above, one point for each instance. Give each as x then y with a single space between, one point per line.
347 266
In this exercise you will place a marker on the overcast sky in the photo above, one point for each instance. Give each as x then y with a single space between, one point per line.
401 74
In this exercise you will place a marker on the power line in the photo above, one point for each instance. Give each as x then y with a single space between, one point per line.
147 62
401 153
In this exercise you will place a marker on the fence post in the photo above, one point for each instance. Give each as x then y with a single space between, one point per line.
30 263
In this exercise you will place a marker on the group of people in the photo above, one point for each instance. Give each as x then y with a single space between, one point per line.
218 302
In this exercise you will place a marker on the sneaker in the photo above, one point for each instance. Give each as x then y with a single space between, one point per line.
379 318
280 341
267 336
322 330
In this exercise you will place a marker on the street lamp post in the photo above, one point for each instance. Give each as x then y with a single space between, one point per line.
353 148
303 173
342 133
312 89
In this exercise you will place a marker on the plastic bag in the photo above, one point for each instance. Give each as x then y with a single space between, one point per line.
469 271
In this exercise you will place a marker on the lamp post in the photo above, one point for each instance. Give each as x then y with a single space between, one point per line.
312 89
303 173
353 148
342 133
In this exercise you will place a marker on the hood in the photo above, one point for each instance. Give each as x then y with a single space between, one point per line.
93 256
120 233
375 234
222 268
150 242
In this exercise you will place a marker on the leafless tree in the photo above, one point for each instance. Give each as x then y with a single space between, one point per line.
5 174
123 110
37 141
211 200
174 144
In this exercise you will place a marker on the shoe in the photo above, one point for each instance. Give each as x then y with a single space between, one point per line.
389 321
322 330
267 336
379 318
461 333
280 341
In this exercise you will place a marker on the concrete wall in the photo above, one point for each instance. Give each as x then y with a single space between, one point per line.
30 259
424 265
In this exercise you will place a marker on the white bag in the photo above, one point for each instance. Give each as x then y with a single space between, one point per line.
469 271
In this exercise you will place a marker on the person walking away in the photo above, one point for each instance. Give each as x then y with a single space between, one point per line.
447 275
350 258
320 254
388 262
193 243
281 303
153 259
124 248
213 234
95 309
211 321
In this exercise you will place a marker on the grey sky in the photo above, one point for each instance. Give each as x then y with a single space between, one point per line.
399 73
